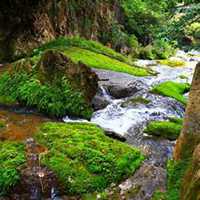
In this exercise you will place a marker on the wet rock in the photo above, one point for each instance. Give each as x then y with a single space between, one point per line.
99 102
53 66
142 184
114 135
123 91
120 85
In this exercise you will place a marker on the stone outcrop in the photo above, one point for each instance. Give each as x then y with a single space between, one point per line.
188 144
25 24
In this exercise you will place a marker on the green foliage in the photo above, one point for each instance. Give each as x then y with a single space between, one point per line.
12 156
164 129
65 42
193 30
160 49
100 61
84 159
173 90
55 100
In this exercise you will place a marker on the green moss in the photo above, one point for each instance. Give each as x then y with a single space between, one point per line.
136 100
165 129
172 63
158 195
100 61
93 54
56 100
7 100
94 46
173 90
84 159
12 156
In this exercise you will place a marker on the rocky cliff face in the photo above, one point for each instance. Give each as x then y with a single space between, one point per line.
24 24
188 145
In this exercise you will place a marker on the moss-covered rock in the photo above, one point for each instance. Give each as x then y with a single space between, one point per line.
54 66
135 101
165 129
84 159
12 157
52 83
172 89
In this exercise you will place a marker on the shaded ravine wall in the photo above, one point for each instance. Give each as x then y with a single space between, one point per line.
24 24
188 145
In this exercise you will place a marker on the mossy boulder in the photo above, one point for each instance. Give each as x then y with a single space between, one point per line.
53 66
84 159
52 83
165 129
172 89
12 157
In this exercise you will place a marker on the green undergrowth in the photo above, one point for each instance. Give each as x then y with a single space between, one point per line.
7 100
65 42
134 101
99 61
166 129
55 100
172 89
175 173
84 159
172 63
12 157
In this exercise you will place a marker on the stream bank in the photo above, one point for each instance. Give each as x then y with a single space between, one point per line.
128 121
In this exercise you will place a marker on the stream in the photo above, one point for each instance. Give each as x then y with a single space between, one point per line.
125 121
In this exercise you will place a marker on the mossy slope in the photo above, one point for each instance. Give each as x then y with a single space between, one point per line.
172 89
84 159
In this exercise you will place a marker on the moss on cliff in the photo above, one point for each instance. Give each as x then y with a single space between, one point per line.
84 159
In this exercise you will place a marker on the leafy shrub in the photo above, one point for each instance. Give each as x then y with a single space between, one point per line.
12 156
193 30
160 49
84 159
